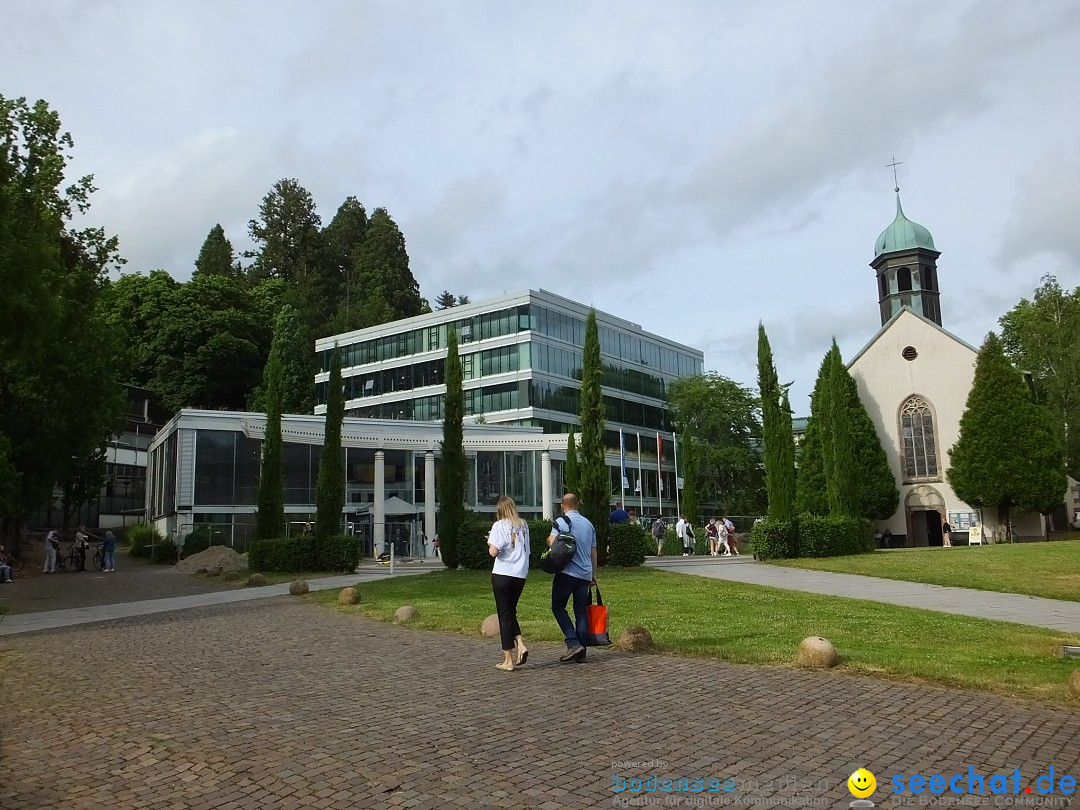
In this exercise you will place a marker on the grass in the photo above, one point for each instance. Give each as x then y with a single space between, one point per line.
1050 570
750 624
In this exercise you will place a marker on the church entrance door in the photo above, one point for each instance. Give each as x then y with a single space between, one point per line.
925 510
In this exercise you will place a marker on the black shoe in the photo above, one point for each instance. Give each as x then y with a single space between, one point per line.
573 654
580 657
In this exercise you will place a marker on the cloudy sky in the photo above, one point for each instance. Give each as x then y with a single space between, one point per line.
691 166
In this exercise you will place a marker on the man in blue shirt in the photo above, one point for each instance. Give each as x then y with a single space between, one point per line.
619 515
575 579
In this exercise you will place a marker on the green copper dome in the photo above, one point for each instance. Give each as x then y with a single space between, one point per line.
903 234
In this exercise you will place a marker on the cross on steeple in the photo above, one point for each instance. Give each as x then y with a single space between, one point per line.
893 165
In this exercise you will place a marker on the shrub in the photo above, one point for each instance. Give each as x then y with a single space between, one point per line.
672 543
538 535
340 553
141 536
201 539
625 544
472 550
701 541
775 539
294 554
648 543
163 551
833 536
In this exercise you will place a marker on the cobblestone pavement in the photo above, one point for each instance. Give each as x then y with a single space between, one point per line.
281 703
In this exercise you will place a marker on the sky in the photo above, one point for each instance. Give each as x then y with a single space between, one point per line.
693 167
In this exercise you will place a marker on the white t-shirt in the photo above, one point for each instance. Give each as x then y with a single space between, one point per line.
680 529
513 546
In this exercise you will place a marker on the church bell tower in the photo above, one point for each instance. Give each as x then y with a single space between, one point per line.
905 262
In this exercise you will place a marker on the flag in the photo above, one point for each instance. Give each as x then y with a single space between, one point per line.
622 460
659 449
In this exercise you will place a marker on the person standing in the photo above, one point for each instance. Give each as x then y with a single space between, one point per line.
574 580
680 532
659 529
6 574
619 515
508 543
108 550
52 551
946 534
81 544
689 541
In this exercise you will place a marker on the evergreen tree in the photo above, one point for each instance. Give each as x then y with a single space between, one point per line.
1007 456
779 442
452 470
462 300
571 472
330 491
690 501
293 343
445 300
216 257
341 239
878 497
271 516
841 472
594 480
811 490
388 291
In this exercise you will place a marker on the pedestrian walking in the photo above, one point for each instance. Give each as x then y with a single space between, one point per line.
659 529
108 550
946 534
52 551
508 543
574 580
680 532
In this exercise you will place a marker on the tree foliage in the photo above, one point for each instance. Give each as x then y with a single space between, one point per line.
293 344
270 519
841 471
330 489
1042 336
1008 456
594 482
571 472
723 418
779 442
691 503
452 468
217 257
387 289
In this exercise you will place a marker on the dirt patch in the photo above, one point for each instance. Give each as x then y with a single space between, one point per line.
221 557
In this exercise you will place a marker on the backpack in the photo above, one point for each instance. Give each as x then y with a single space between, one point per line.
558 555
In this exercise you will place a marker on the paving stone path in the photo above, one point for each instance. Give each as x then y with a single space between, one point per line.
281 703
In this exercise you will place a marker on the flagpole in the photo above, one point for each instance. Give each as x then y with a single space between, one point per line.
675 444
640 484
622 471
660 472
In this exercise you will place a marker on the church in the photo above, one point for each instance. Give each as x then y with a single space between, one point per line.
914 377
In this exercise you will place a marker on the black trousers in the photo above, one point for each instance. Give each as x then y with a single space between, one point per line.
507 593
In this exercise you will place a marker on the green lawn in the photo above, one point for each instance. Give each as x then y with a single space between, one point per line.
1051 570
750 624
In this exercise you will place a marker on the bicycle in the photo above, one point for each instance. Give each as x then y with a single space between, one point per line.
99 558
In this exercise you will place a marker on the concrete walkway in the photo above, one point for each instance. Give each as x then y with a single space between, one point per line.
52 619
1006 607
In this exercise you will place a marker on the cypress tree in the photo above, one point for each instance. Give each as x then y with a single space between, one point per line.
691 503
811 491
841 472
1007 456
452 467
594 481
571 473
875 481
271 514
779 442
330 490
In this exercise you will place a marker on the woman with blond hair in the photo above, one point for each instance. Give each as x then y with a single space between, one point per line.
508 543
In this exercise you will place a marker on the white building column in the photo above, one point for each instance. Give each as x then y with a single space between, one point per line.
545 483
429 495
378 508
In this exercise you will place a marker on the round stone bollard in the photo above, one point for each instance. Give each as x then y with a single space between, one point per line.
490 626
231 576
635 638
349 596
255 580
817 652
298 587
1074 683
214 572
405 614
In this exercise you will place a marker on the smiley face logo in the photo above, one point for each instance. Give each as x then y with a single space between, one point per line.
861 783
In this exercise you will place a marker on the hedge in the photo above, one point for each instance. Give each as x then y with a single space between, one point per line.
701 541
626 545
339 553
284 555
672 543
539 530
775 539
833 537
472 546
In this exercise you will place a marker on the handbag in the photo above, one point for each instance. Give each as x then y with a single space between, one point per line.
597 620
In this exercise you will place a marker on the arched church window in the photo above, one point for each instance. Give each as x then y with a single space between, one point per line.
903 279
919 440
883 285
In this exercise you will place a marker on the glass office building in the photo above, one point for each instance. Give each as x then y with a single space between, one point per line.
522 360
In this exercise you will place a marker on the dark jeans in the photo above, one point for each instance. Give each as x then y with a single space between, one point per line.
562 588
507 592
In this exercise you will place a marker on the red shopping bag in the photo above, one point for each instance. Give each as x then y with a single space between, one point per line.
597 619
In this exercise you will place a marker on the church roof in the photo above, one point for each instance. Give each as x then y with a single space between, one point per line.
893 320
902 234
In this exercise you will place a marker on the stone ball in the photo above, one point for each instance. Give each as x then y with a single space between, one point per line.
405 614
201 572
1074 683
635 638
231 576
490 626
256 579
298 587
349 596
816 651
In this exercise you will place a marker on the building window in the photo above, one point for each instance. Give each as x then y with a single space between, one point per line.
919 440
883 285
903 279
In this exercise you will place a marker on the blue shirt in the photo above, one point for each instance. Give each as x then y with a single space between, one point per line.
620 516
580 565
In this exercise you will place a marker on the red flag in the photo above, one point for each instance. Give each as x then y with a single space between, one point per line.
659 447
